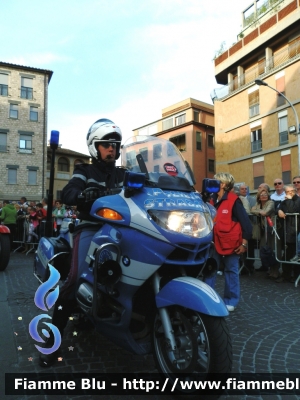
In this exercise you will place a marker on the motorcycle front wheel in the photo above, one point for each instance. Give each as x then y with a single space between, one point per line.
203 345
4 251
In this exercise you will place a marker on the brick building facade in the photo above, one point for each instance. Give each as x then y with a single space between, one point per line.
253 122
189 124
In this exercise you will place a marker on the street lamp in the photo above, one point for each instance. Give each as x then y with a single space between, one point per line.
260 82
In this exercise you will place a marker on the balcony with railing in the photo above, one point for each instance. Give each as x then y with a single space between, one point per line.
286 55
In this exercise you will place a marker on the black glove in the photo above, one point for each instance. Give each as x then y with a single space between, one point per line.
92 193
87 198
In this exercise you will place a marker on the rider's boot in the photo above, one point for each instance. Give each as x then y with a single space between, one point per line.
62 310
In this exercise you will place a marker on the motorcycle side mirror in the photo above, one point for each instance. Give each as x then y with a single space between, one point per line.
209 186
210 268
133 181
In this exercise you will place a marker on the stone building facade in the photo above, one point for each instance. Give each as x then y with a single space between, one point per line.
23 131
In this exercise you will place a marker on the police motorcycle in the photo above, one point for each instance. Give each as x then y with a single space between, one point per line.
4 247
142 284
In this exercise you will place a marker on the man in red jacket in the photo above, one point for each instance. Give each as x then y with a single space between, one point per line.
232 230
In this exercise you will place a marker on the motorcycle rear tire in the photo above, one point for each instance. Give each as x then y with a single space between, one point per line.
4 251
203 346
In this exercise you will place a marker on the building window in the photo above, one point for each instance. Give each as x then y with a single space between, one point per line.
33 115
258 171
280 86
12 176
253 103
144 153
211 141
199 140
180 119
3 142
3 84
32 177
13 111
26 88
157 151
256 140
25 144
156 168
196 116
179 142
283 130
63 164
286 176
286 166
211 166
58 194
258 180
167 124
171 151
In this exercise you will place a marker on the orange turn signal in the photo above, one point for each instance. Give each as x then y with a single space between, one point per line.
109 214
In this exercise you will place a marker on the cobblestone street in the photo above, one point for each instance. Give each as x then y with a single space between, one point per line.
265 332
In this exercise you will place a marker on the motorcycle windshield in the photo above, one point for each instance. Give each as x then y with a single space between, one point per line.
160 160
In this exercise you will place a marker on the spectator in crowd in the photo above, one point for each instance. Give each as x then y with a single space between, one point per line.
296 183
264 207
9 218
248 203
263 186
243 194
41 214
44 202
70 212
232 231
23 203
291 205
278 196
33 223
58 215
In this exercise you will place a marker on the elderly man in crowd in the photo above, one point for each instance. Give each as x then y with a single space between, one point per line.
291 205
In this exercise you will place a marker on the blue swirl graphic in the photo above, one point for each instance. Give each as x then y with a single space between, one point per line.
35 335
41 292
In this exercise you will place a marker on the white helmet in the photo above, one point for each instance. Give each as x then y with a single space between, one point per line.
103 130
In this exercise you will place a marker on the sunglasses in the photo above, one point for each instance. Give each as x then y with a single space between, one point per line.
277 183
294 183
108 144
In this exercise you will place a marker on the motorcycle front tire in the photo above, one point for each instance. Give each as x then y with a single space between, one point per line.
4 251
203 347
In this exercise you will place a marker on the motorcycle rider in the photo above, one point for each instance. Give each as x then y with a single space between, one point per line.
89 182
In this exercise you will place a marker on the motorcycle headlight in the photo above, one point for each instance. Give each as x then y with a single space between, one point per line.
190 223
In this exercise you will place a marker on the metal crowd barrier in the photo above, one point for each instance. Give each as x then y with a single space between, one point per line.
286 247
284 251
26 237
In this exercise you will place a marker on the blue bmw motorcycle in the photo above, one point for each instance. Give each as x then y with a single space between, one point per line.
142 267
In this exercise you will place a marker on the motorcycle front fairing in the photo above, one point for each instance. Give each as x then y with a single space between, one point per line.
165 222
